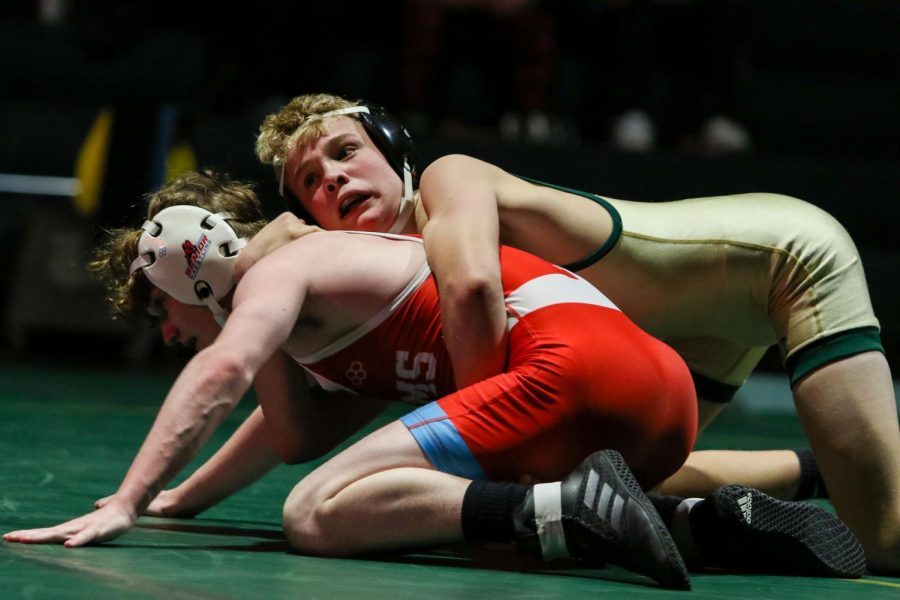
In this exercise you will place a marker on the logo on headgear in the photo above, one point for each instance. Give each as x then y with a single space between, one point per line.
194 255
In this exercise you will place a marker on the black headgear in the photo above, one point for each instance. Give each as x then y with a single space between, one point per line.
392 139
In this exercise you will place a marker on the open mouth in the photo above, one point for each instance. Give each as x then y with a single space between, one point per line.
351 202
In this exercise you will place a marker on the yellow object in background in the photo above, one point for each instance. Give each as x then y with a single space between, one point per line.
90 167
180 160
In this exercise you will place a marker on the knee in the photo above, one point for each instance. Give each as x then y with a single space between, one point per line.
305 519
883 552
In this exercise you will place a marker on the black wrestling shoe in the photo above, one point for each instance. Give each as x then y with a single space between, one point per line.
606 518
742 529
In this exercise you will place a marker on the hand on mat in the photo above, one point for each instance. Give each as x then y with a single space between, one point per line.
283 229
105 524
164 505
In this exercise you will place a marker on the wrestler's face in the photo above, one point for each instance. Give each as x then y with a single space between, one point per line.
343 180
191 326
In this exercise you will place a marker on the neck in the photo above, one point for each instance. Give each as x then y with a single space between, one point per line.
407 216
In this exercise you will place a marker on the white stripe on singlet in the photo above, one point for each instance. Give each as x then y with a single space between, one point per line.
548 290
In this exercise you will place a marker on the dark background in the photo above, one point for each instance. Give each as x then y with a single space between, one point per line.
815 86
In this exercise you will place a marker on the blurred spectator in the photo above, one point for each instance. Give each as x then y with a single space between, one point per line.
661 72
479 68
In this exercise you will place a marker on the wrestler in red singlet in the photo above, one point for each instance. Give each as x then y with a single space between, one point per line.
580 377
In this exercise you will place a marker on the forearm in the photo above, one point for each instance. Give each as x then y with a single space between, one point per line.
198 402
474 323
473 310
462 239
243 459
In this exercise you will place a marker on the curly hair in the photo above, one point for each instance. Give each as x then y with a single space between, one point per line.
129 293
295 122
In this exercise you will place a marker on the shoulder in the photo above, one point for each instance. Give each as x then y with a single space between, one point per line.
295 257
456 165
335 250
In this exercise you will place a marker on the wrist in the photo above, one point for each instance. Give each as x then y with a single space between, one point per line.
176 503
123 505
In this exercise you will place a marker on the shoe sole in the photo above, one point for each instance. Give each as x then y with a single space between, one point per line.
775 536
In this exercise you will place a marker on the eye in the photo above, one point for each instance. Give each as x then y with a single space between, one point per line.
309 180
346 151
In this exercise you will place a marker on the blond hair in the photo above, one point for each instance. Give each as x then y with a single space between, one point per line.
295 122
129 293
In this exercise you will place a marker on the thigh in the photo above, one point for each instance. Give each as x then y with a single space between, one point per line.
694 268
723 361
389 447
723 278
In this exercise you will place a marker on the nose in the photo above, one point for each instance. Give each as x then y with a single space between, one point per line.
169 332
335 177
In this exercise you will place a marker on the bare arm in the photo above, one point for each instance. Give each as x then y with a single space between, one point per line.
251 452
292 433
207 389
462 241
184 422
243 459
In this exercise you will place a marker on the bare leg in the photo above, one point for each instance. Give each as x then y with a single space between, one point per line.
380 494
849 413
707 411
776 472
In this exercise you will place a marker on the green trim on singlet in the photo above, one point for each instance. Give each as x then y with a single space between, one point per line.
613 213
712 390
832 348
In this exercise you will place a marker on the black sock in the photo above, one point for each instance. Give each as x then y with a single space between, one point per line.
706 533
488 508
811 483
665 506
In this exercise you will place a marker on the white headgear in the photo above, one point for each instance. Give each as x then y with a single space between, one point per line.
189 253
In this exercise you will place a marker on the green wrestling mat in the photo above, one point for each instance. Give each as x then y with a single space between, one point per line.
67 437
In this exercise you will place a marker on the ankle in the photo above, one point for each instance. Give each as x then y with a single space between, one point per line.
488 511
810 484
682 532
538 523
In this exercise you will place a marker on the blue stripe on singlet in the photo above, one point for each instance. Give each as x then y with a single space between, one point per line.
441 442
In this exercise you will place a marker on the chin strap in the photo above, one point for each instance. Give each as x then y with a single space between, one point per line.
407 204
219 313
206 296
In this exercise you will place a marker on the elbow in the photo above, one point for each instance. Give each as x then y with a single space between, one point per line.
294 453
285 453
224 372
291 452
477 287
294 447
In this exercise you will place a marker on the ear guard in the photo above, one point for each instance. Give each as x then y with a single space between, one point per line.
189 253
394 141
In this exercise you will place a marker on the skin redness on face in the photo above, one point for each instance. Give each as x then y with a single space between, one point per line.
343 180
185 324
